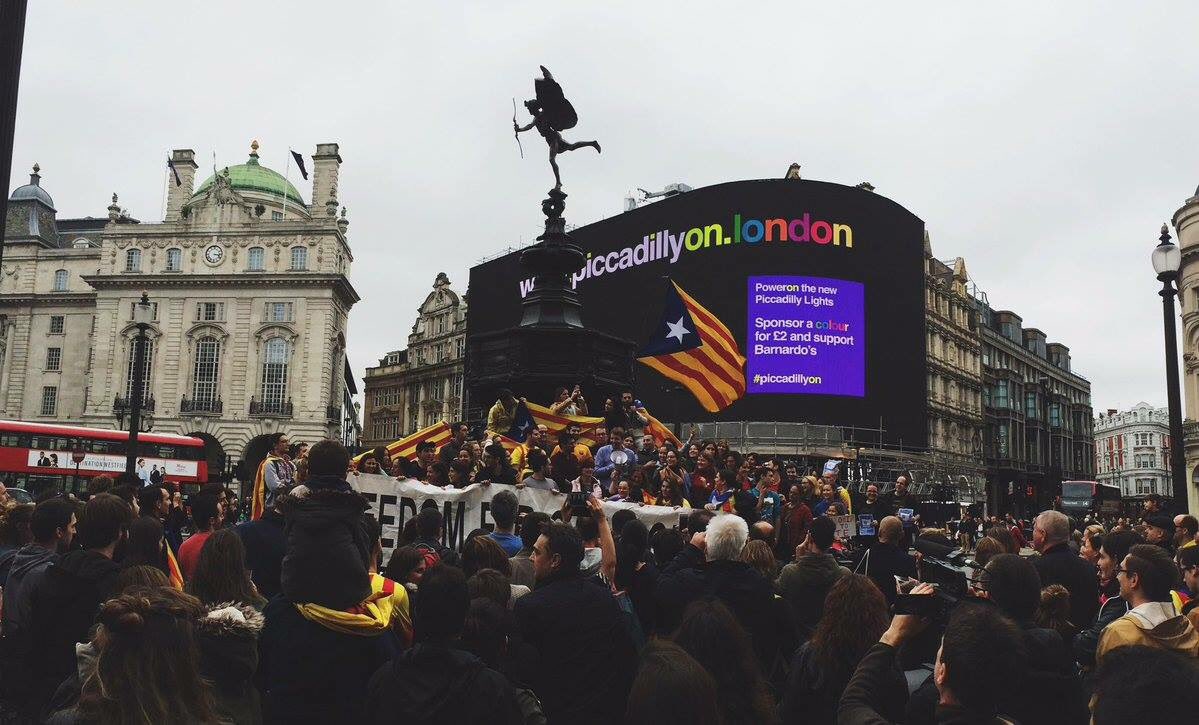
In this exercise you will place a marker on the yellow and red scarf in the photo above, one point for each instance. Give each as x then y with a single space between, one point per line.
379 611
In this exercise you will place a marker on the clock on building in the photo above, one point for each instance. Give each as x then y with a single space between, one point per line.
214 254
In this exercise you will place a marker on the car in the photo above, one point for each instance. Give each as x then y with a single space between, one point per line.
20 495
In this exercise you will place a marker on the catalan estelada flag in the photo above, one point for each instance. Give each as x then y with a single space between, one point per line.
557 423
438 434
692 347
660 432
174 573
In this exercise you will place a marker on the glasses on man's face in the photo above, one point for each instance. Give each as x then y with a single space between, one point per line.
1121 570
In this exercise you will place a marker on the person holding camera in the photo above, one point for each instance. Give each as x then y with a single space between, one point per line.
569 402
981 654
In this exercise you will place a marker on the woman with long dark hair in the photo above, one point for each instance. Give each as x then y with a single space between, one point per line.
671 686
221 575
145 544
855 616
711 635
636 574
147 664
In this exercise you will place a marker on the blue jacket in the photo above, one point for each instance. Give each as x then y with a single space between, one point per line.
604 464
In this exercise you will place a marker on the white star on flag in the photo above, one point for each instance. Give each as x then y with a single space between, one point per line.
677 329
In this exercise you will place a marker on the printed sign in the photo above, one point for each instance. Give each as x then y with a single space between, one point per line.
464 510
102 463
866 525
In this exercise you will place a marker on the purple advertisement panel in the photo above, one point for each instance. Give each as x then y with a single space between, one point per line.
806 335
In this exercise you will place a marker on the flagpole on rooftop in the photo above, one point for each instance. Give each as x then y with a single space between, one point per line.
166 184
286 173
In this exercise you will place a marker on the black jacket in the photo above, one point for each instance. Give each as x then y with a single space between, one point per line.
265 545
587 655
1058 565
812 694
308 673
885 562
228 646
1087 640
64 604
437 685
804 583
862 704
746 592
328 546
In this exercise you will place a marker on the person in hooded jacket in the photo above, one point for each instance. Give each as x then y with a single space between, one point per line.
436 680
328 630
265 545
65 600
227 640
53 528
1147 575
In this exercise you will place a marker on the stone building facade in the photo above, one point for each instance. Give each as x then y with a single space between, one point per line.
421 385
953 354
1186 226
251 299
1132 450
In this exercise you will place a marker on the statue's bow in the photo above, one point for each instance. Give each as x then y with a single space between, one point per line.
515 127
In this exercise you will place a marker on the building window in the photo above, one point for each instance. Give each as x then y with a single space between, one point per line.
458 385
256 259
147 366
206 373
279 312
276 216
299 259
274 371
153 310
174 260
57 324
133 260
1001 396
61 277
53 359
50 400
210 312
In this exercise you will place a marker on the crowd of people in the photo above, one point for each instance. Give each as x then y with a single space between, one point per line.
752 611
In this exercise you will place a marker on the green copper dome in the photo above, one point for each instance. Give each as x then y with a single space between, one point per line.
252 176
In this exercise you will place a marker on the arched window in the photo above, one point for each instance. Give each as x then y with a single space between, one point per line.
147 366
133 260
256 259
174 260
207 370
275 356
61 277
299 259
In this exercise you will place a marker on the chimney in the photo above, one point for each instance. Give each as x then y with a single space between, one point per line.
185 165
325 164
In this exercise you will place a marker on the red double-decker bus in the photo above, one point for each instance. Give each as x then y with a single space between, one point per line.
37 456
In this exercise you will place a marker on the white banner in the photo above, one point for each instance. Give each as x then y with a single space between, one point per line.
107 463
464 510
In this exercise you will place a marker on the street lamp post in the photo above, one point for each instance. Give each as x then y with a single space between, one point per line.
77 455
142 314
1167 259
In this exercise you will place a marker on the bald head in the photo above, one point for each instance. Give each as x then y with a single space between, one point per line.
890 529
1054 526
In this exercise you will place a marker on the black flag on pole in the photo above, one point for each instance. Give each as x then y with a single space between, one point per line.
300 162
171 166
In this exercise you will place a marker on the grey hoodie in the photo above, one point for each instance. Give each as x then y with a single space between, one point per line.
29 564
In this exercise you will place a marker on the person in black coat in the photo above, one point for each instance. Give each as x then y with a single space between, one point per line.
1058 565
265 544
710 566
227 641
328 539
587 658
66 600
885 560
436 680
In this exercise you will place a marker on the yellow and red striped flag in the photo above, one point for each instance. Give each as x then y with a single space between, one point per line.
558 423
174 573
694 348
660 432
438 434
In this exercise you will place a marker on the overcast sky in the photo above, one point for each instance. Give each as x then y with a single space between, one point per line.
1044 142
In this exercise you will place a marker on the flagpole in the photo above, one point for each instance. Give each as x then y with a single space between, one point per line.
165 186
286 173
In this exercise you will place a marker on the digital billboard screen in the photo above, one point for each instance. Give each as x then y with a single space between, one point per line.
821 285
